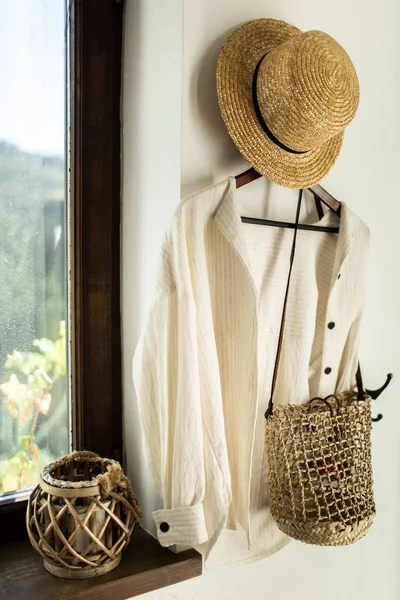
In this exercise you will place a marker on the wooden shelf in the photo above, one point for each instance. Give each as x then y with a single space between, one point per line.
145 566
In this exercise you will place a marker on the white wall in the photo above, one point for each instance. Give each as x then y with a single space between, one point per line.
152 90
365 177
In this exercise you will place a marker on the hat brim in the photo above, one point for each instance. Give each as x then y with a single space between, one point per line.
237 62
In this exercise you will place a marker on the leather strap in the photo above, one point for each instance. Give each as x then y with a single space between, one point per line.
282 328
360 388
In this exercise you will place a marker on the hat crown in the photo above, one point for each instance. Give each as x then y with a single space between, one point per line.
307 90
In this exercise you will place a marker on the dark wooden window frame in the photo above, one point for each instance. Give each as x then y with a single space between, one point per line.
96 28
96 54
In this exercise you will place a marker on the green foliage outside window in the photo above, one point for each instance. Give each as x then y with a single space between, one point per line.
27 397
33 271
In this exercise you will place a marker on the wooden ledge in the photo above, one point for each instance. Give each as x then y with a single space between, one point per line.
145 567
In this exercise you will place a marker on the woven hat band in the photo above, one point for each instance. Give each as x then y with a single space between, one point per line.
307 90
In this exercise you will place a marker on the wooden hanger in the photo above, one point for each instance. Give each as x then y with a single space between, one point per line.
319 193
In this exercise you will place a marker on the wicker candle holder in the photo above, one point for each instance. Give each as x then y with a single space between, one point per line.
81 515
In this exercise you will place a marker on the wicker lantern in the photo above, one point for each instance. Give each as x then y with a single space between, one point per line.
81 515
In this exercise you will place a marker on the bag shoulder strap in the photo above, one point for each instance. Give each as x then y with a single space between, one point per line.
282 328
360 388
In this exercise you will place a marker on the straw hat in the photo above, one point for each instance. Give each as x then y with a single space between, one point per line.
286 97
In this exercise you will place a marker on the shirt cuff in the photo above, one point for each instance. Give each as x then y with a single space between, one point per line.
186 525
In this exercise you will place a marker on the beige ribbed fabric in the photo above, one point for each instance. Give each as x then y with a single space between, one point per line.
204 363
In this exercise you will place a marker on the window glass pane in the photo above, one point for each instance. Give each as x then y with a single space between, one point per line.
34 382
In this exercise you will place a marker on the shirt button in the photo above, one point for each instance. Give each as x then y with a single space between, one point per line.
164 527
328 370
339 276
331 325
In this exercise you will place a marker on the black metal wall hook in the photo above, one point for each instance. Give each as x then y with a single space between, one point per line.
379 417
376 393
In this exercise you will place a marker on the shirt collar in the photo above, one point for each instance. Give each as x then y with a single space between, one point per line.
228 219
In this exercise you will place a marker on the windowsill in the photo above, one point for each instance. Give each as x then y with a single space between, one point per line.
145 566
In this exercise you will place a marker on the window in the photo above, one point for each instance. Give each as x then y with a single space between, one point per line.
34 407
60 342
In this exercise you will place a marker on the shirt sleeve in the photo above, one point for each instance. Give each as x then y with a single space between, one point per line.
166 378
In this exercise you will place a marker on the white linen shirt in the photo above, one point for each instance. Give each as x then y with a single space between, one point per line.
203 366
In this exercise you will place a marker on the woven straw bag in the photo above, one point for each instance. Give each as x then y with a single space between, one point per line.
319 460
